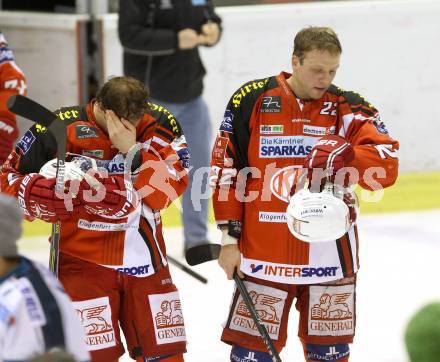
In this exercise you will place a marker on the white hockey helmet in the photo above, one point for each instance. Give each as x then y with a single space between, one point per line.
322 216
76 169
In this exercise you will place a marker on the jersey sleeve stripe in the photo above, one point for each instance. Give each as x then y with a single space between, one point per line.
165 134
159 141
143 225
145 130
367 111
345 255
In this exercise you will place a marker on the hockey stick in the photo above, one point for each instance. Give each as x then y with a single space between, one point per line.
31 110
36 113
200 254
258 322
187 270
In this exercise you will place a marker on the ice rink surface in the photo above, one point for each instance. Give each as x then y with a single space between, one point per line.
400 261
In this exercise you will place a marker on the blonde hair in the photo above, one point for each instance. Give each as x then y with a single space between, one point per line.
316 38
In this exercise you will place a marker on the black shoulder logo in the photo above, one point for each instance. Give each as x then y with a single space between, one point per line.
271 104
83 131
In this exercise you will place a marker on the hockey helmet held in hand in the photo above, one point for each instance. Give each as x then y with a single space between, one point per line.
76 169
322 216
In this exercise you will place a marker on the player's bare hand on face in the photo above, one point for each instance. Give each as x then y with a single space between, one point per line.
230 259
121 132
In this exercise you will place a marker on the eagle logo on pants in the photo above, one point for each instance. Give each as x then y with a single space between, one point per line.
332 306
92 320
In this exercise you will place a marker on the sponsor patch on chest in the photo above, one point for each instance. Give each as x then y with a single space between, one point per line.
116 165
318 131
84 132
282 182
286 146
271 104
266 216
271 129
93 153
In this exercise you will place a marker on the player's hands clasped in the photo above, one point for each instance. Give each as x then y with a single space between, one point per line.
112 197
187 39
38 199
210 33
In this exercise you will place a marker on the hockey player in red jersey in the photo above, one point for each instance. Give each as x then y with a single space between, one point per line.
12 82
112 254
273 128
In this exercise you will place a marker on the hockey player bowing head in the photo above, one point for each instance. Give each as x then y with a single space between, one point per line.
272 128
127 161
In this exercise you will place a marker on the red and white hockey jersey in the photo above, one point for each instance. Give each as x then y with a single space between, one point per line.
263 140
134 244
12 82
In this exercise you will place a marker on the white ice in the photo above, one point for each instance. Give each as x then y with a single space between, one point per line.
400 259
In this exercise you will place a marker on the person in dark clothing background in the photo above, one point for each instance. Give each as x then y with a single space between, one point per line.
160 39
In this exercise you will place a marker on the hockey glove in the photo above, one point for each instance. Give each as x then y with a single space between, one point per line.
38 199
330 153
8 135
113 198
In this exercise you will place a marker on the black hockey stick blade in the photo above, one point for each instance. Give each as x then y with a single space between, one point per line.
187 270
29 109
35 112
202 253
